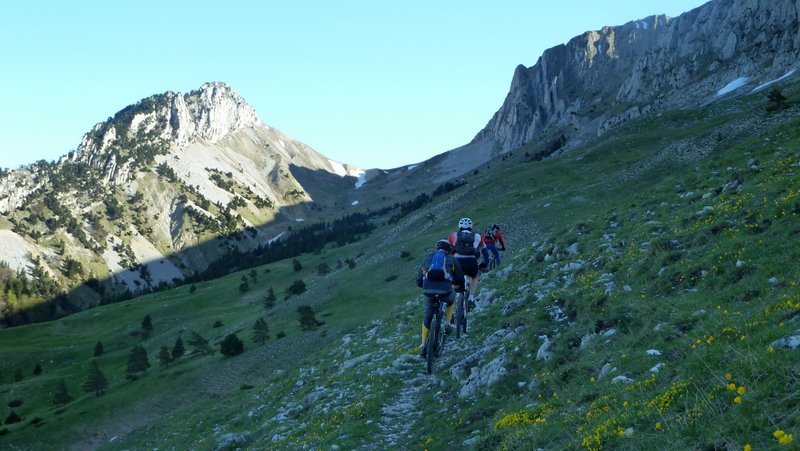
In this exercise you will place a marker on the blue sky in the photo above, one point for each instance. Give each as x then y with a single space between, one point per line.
372 83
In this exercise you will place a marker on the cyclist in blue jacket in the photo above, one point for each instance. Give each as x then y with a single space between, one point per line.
437 276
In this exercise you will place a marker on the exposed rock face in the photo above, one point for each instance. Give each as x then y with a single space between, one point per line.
606 77
171 168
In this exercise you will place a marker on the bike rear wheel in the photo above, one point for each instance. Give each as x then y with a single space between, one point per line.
431 344
459 314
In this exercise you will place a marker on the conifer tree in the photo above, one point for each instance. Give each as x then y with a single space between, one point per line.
95 381
164 357
269 299
137 362
297 287
98 349
61 396
777 101
147 325
296 266
231 346
307 319
260 331
254 276
244 286
178 350
200 345
37 370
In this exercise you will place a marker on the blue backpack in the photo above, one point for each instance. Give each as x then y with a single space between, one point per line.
438 268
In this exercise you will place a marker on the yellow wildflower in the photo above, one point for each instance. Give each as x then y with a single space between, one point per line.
731 387
747 447
728 376
737 400
740 390
786 439
778 434
659 426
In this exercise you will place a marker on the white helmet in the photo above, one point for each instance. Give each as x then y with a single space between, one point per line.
465 223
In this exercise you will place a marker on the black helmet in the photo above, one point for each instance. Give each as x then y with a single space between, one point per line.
495 226
444 245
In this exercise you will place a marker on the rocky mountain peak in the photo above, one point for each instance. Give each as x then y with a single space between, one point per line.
162 121
602 78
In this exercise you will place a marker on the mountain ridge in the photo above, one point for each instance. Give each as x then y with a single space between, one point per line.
602 78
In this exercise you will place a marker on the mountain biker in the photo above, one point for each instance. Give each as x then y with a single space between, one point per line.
491 239
467 247
438 286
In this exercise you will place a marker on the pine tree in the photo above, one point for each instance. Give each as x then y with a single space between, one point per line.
178 350
200 345
147 326
307 319
37 370
260 331
254 276
137 362
98 349
269 299
231 346
244 286
61 396
297 287
95 381
164 357
296 266
777 101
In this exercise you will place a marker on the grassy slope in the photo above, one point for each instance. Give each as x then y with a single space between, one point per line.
694 286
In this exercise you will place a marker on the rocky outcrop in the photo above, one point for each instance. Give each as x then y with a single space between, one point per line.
603 78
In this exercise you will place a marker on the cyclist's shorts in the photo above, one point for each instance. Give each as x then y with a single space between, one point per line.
469 265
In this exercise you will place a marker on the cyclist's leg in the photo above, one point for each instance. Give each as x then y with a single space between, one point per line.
485 255
451 305
448 313
427 306
495 252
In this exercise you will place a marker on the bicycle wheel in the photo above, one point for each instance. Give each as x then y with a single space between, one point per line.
463 315
431 345
459 313
492 263
441 337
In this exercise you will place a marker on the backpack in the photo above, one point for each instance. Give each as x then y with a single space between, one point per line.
465 243
438 269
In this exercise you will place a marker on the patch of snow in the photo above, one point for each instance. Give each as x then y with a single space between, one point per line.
355 202
411 167
735 84
362 179
299 220
338 168
277 237
785 76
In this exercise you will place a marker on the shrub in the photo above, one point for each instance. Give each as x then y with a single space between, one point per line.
13 418
231 346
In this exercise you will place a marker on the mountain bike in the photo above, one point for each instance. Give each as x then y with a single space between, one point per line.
492 262
461 309
435 343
